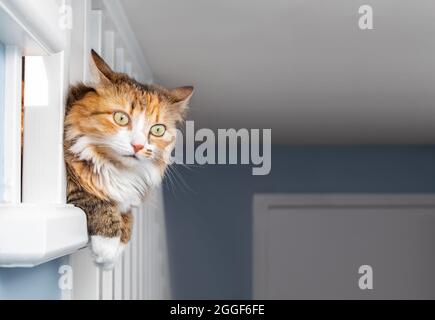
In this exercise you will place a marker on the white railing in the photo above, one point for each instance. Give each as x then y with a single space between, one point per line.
142 273
102 26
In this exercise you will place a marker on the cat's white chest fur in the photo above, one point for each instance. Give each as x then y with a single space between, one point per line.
127 187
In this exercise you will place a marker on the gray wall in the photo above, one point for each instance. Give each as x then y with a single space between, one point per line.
209 227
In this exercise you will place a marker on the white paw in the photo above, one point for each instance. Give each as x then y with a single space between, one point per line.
106 250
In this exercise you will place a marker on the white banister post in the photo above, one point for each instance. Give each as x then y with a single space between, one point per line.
87 278
109 48
44 227
12 125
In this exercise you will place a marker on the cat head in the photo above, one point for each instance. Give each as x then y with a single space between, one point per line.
122 121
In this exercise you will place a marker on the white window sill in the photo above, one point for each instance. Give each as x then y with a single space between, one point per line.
31 234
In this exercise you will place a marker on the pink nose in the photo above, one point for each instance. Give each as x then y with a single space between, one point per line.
137 147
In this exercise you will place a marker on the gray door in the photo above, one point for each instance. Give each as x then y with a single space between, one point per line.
315 251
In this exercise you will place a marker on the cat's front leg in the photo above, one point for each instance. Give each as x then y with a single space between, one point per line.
105 228
107 250
127 223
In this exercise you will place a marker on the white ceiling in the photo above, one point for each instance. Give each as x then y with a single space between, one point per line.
300 67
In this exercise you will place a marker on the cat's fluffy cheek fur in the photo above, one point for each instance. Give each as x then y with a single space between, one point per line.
126 186
106 250
121 142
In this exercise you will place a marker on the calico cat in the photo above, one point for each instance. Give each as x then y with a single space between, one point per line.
117 141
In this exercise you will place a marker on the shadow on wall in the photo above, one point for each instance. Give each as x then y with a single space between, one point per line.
209 222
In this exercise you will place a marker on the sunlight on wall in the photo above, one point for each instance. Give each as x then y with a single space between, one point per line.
36 82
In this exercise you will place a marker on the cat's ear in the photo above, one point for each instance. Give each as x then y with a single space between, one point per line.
100 70
181 98
182 95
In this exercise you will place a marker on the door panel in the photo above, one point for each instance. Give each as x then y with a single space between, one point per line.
303 252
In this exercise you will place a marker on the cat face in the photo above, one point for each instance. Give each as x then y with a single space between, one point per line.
124 122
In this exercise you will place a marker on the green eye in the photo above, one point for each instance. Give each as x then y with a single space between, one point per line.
158 130
121 118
